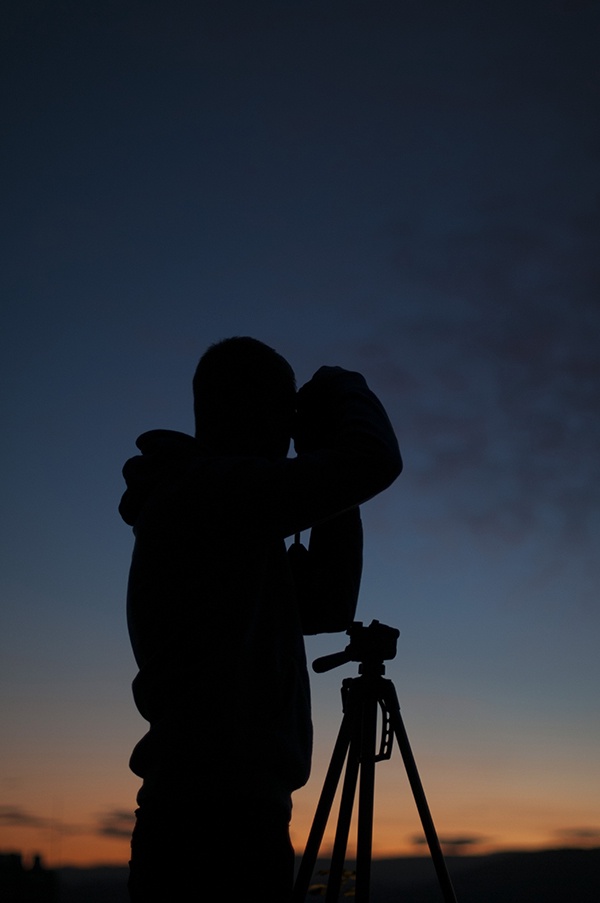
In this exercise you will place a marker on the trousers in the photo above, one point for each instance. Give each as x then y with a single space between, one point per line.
223 851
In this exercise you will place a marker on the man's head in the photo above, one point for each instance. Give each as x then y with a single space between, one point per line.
244 399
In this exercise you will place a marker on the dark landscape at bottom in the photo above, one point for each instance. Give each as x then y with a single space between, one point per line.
548 876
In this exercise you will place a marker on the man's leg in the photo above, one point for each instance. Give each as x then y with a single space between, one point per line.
212 850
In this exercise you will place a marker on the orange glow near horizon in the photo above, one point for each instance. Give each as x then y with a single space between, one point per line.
397 832
88 851
83 851
480 802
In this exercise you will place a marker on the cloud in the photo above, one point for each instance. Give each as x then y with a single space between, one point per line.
496 412
586 836
453 845
116 823
490 361
15 817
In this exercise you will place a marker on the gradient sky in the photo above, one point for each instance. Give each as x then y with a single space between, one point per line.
409 189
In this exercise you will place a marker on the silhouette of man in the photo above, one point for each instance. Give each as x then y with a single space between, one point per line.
217 608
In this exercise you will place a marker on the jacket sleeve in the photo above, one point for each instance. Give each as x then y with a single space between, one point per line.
327 574
352 454
347 452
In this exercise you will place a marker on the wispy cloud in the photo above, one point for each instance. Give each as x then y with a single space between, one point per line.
491 359
454 845
497 413
18 817
116 823
15 817
585 836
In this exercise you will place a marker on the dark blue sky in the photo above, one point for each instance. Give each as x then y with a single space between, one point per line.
407 189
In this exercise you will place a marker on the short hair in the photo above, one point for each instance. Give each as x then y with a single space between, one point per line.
241 383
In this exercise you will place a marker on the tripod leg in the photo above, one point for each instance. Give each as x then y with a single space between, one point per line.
419 795
340 844
366 799
323 810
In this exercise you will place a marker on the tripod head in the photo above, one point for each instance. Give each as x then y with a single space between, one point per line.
368 645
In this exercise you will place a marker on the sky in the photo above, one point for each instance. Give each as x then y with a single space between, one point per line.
406 189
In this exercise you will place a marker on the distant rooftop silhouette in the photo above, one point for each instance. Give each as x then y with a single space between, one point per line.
19 884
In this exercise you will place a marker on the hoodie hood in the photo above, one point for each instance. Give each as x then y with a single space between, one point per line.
161 450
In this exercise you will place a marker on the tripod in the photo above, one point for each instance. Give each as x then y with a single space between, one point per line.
356 741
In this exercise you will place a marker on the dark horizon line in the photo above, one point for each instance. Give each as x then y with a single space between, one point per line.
501 851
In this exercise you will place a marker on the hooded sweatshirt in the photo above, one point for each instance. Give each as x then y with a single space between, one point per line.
217 606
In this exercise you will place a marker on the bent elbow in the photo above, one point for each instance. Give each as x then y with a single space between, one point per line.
393 469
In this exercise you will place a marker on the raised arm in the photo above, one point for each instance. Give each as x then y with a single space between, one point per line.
343 429
327 574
